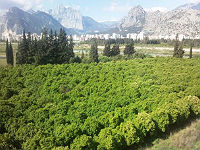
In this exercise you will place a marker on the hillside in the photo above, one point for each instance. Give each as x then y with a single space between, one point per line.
114 106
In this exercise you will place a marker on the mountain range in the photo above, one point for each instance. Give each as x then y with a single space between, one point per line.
184 19
15 20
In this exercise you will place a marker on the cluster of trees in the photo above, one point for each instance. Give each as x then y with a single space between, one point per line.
148 41
9 53
124 41
95 106
111 41
58 49
178 48
50 49
110 52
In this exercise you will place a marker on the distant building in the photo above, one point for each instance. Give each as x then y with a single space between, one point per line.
140 36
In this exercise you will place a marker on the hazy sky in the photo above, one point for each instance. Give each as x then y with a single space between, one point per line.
98 9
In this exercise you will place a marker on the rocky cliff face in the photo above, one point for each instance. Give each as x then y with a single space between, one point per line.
72 18
68 17
15 20
181 21
185 21
136 17
134 21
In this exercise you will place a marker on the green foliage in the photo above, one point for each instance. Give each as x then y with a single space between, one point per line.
7 142
129 49
178 49
9 54
109 139
94 52
106 51
50 49
22 52
115 50
113 105
104 59
83 142
162 119
145 124
76 59
191 46
194 104
129 132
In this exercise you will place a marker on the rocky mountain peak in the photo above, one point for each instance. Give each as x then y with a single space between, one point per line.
195 6
15 20
68 17
185 21
136 18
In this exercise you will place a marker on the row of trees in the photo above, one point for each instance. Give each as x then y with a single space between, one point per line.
58 49
110 52
50 49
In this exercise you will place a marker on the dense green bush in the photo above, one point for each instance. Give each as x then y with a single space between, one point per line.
113 105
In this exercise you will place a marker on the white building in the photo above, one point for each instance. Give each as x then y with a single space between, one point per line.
115 36
140 36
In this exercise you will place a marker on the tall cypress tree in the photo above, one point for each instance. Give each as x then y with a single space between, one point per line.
115 50
71 46
22 53
30 50
52 48
82 55
63 49
178 49
94 52
34 49
181 51
11 57
129 49
9 53
106 51
43 47
191 46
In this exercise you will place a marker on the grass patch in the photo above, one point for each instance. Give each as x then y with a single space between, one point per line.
185 139
2 62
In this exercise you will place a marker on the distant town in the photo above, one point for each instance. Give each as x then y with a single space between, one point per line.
85 37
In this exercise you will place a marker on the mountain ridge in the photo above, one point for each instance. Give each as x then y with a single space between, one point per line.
178 21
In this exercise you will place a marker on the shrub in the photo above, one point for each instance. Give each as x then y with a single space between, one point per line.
129 132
